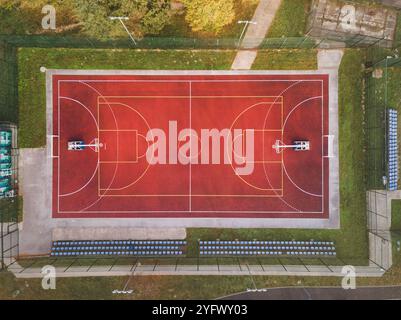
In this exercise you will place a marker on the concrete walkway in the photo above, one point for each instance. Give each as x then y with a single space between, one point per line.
244 60
155 269
255 33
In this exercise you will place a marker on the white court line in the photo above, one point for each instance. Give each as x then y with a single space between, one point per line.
322 132
193 80
52 145
97 165
58 159
330 145
193 211
250 80
285 122
264 125
117 149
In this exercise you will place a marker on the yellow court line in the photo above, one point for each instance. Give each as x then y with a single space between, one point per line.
118 162
190 96
193 195
98 154
267 161
119 130
279 100
282 138
136 146
265 130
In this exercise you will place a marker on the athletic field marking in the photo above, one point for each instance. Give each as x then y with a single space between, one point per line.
200 211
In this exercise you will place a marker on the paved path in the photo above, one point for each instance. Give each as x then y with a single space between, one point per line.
244 60
255 33
264 16
291 293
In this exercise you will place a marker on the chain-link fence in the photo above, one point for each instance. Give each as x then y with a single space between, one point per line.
380 63
382 81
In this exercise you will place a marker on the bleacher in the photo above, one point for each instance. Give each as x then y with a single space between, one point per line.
392 150
5 163
272 248
141 248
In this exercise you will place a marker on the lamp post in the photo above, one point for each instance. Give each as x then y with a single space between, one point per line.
246 23
126 29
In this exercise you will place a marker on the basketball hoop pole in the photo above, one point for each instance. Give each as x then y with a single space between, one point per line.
279 146
94 145
125 27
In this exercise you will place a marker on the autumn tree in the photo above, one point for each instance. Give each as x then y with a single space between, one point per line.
145 16
209 15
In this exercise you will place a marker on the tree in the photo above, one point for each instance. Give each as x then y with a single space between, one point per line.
209 15
145 16
157 16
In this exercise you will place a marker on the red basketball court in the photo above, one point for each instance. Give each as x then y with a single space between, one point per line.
114 114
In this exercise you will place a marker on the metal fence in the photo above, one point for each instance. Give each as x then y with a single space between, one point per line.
375 103
380 93
10 206
50 41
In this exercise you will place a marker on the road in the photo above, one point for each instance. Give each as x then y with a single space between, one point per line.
309 293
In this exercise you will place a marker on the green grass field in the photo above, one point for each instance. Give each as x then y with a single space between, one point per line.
290 20
11 209
286 59
396 215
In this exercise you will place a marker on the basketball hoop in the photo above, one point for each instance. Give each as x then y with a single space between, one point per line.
95 145
80 145
297 145
278 146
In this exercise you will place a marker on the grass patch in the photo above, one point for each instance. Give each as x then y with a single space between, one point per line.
31 83
11 209
396 215
8 84
290 19
293 59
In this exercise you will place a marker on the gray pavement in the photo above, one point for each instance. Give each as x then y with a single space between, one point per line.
263 16
310 293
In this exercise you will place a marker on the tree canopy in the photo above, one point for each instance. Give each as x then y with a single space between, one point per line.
145 16
209 15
